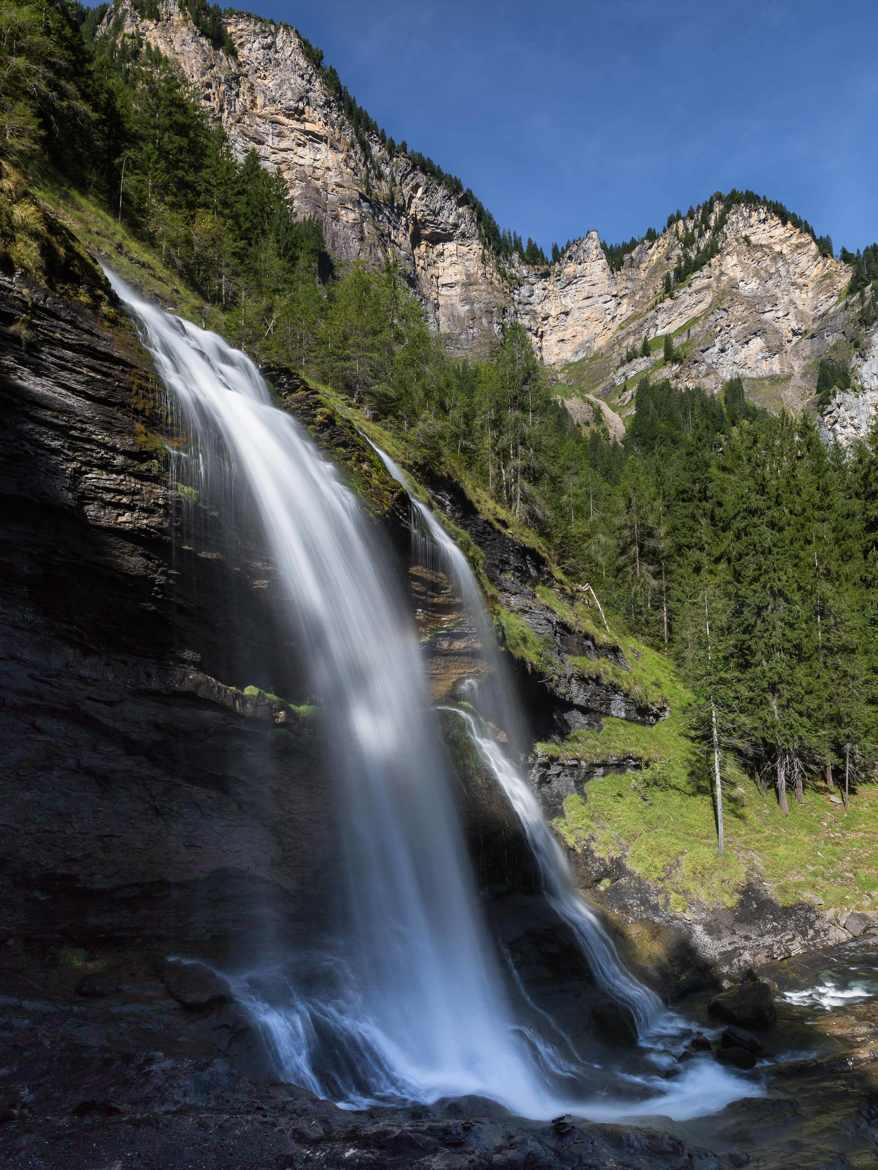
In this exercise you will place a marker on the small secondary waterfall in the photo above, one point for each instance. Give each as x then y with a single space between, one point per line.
595 943
411 1005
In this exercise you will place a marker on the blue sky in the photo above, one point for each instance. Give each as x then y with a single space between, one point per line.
565 115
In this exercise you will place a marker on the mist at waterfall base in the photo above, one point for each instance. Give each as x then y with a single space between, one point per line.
410 1002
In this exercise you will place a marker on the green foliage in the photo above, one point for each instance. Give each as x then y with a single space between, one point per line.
47 91
832 375
616 253
207 18
864 282
657 824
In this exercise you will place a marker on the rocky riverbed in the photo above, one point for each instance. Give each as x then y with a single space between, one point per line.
114 1060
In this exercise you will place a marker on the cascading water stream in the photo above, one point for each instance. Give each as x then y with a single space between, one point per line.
595 943
421 978
411 1004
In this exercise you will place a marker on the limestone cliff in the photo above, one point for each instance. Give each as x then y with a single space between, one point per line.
373 204
761 308
765 306
850 414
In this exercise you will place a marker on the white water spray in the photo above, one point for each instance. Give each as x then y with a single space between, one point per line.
413 1007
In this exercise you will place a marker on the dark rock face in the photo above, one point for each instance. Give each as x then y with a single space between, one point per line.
141 799
750 1004
554 778
732 1037
614 1023
737 1057
194 984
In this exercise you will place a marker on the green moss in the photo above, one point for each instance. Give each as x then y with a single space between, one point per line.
577 614
664 742
650 677
37 244
302 710
131 258
500 517
187 493
148 440
521 641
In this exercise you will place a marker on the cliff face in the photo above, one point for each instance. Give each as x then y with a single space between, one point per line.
132 807
850 415
760 309
271 98
764 308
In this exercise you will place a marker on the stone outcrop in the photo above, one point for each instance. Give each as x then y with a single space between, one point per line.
850 415
750 312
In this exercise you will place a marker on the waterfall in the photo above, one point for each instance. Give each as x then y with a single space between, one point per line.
594 942
411 1003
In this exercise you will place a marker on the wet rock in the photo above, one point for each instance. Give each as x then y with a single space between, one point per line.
97 985
750 1004
736 1057
563 1124
614 1023
699 1043
95 1109
193 984
733 1037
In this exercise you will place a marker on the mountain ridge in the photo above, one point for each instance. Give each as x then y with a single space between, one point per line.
744 287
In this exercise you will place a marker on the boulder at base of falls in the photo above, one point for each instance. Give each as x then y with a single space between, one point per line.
193 984
750 1005
733 1037
737 1057
614 1023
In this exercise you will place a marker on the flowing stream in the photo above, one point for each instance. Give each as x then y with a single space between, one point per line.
411 1004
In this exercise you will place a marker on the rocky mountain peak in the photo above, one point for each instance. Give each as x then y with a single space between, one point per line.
374 202
741 285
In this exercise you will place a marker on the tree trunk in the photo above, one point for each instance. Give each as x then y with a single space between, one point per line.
717 784
800 795
847 773
782 785
827 773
